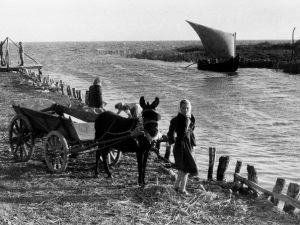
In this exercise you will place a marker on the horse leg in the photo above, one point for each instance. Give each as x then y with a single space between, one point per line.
144 165
139 156
97 163
105 164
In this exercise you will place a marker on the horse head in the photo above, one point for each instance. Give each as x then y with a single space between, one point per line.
150 118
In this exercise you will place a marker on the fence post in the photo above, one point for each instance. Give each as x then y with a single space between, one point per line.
62 87
74 92
78 94
86 100
252 175
69 91
237 168
223 164
212 157
279 185
293 191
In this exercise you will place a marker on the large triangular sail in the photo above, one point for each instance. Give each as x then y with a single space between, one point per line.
217 43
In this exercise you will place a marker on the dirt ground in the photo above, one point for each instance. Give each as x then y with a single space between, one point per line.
30 194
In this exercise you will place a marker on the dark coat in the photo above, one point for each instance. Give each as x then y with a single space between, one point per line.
184 143
95 96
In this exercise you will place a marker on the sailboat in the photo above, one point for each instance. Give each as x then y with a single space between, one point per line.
219 47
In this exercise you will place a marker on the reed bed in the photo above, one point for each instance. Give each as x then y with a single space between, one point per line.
281 56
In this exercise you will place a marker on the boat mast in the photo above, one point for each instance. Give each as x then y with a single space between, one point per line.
234 52
293 45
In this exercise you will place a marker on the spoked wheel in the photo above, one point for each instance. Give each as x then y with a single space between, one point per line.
21 138
113 157
56 152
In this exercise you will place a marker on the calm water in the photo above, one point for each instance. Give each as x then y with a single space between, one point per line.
253 116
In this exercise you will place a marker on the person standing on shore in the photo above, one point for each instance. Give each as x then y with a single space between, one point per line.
21 53
183 126
95 99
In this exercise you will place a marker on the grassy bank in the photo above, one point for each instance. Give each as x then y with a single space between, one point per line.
259 55
30 194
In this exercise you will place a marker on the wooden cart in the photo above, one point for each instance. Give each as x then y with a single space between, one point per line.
65 131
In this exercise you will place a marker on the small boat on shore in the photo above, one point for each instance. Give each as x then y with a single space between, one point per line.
220 48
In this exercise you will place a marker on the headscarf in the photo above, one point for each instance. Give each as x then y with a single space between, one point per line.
97 81
187 102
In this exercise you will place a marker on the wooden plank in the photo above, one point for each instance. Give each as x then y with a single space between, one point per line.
281 197
17 68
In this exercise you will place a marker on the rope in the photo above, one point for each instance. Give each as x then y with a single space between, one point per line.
24 52
114 142
107 130
189 65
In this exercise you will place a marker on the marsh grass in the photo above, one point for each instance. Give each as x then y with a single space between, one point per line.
260 55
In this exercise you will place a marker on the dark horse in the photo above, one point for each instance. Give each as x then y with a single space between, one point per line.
127 135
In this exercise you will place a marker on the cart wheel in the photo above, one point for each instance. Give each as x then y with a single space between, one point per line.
21 138
56 152
113 157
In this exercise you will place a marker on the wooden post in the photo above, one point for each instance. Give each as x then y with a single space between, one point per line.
222 167
80 96
62 87
212 158
237 168
69 91
78 93
74 92
168 151
86 100
279 185
252 175
47 81
293 191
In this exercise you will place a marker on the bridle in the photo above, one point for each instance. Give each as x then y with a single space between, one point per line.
147 135
150 121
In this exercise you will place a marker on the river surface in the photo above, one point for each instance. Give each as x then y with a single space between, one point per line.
252 116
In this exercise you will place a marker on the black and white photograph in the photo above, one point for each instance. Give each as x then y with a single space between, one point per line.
150 112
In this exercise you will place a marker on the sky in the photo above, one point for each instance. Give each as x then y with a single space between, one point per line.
146 20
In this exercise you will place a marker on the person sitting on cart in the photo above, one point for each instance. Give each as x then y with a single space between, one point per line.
95 99
133 110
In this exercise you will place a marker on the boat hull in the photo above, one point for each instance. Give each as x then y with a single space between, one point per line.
230 65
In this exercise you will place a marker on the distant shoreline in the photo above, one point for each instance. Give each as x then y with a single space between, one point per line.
264 54
240 41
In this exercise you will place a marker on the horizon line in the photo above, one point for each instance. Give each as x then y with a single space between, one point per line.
147 40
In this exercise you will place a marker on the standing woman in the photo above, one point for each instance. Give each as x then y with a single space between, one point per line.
95 99
183 126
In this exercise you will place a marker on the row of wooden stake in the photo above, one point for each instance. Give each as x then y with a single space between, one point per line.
60 86
290 200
